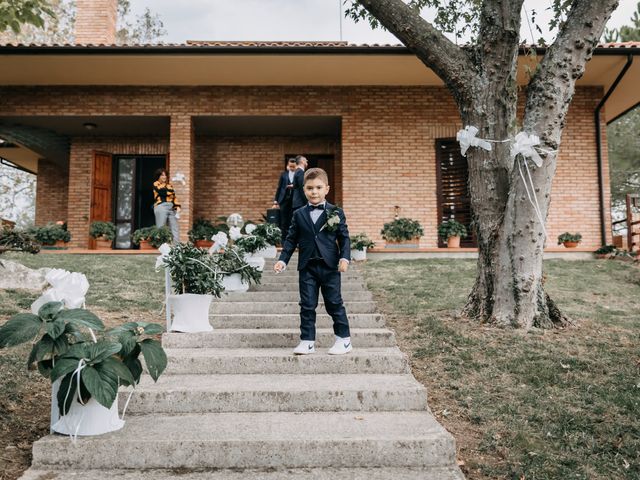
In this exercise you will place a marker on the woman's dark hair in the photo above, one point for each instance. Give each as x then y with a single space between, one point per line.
159 172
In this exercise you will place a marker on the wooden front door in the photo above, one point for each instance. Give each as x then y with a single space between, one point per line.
101 189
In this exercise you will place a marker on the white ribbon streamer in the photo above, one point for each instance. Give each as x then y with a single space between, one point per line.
467 138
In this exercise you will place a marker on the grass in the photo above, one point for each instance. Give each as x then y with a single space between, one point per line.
538 405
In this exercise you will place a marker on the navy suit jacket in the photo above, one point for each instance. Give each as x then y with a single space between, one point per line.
306 235
281 192
299 198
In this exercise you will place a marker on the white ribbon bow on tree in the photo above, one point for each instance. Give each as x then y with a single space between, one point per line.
467 138
525 145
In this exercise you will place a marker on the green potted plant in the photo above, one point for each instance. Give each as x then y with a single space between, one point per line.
272 235
17 241
452 231
237 273
201 232
150 238
359 245
85 371
51 235
402 233
606 251
569 240
252 245
195 279
104 233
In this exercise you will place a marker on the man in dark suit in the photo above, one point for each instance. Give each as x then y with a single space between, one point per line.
284 196
299 198
320 231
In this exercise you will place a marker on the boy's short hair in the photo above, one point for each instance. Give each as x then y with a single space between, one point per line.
314 173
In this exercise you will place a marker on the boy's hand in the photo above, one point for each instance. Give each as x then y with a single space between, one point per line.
343 266
279 266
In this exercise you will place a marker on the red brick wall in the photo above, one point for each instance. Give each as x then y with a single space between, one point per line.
240 174
52 188
96 21
387 146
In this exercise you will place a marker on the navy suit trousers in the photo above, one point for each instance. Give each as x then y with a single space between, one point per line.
314 277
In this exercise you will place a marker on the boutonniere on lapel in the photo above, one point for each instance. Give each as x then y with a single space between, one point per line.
333 220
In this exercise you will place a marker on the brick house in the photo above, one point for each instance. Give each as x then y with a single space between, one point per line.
94 120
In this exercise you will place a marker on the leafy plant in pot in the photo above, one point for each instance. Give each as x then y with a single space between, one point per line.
104 234
569 240
606 251
238 274
452 231
150 238
359 245
251 245
85 372
195 279
272 235
402 233
51 234
201 233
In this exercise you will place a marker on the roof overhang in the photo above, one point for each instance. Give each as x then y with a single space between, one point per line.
189 65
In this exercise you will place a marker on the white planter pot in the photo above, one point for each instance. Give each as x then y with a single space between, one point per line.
359 255
234 283
268 252
255 262
88 419
190 312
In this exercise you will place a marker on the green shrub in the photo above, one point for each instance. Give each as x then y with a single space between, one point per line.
605 250
193 270
251 243
232 261
50 233
156 236
102 229
202 229
569 237
270 232
402 229
451 228
360 241
16 240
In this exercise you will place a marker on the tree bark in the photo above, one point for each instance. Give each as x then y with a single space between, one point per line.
508 291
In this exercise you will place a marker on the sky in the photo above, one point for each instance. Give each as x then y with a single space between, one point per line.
296 20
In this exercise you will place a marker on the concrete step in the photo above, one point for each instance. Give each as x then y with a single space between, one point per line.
257 440
292 320
289 296
324 473
218 307
293 287
276 393
202 361
274 338
293 280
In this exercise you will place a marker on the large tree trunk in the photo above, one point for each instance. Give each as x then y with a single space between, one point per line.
509 287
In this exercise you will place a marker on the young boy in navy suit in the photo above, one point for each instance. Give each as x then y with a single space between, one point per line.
320 231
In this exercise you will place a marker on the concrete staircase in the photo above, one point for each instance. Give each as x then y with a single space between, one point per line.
236 404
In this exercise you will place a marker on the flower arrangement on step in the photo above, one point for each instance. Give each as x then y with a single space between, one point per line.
238 274
85 371
51 234
252 245
569 240
195 280
402 232
104 233
452 231
150 238
17 241
272 236
359 245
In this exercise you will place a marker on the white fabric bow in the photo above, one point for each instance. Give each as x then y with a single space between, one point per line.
249 228
69 288
467 138
525 145
234 233
164 249
179 177
220 240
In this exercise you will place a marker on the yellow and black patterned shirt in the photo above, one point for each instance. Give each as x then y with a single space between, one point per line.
164 192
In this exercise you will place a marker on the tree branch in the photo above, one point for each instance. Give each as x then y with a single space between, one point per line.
447 60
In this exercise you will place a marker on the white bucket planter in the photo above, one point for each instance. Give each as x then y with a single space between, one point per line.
88 419
234 283
255 262
190 312
268 252
359 255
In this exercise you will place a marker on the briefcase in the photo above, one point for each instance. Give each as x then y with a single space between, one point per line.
273 215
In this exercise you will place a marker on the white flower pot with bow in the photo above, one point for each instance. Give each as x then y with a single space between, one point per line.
190 312
359 255
234 283
255 261
268 252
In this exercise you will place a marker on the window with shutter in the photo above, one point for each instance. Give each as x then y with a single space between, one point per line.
453 189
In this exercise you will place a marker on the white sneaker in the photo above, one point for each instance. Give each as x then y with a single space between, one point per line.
305 347
342 346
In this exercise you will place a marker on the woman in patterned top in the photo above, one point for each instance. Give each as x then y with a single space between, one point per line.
165 204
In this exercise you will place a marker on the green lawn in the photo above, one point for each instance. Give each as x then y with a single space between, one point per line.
542 405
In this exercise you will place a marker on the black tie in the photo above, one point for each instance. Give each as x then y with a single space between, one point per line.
314 207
